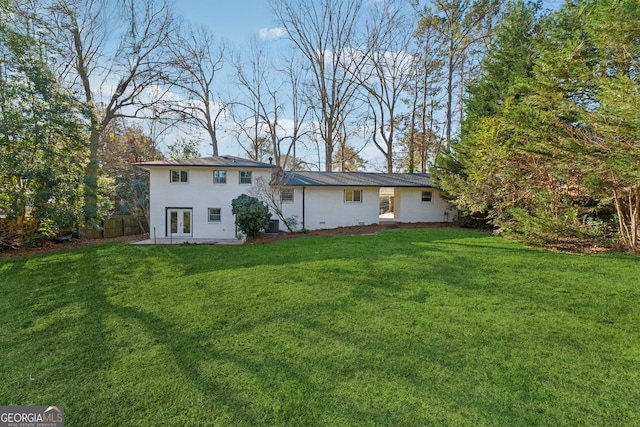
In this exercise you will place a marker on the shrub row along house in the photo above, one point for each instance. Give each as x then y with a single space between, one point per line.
192 197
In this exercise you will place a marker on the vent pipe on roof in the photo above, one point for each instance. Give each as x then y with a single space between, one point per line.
270 160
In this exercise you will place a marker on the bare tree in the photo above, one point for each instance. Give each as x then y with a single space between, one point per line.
266 93
195 58
270 192
386 73
325 32
81 31
299 130
257 109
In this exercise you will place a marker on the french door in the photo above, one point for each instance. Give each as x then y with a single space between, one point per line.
179 222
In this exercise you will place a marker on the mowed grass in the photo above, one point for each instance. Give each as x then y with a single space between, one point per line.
404 328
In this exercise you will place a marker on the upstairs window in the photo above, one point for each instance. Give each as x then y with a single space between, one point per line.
353 196
427 196
179 176
219 177
286 195
245 177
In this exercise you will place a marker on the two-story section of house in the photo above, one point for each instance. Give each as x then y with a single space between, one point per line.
192 197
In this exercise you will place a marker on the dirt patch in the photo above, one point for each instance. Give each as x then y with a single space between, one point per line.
263 238
53 247
570 246
577 246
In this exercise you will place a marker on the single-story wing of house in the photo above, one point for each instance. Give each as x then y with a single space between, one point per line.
191 198
340 199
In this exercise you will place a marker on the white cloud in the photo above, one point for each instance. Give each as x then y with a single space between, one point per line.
272 33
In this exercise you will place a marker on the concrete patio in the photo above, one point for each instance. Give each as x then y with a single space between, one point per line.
189 241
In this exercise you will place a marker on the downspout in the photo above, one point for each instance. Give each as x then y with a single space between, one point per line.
303 225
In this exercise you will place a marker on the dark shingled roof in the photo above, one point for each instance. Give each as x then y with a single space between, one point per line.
355 179
217 161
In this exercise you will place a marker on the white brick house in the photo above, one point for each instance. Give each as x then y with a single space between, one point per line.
191 198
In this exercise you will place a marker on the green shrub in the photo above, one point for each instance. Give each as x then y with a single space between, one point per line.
252 216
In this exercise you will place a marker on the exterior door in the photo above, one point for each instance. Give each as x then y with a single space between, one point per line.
179 222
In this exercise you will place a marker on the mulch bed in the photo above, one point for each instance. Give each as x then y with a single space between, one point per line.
53 247
263 238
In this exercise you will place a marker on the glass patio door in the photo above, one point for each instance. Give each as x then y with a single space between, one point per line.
179 222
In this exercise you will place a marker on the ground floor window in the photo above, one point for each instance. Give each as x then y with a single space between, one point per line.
353 196
286 195
427 196
215 214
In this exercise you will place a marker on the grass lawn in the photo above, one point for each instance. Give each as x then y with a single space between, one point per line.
404 328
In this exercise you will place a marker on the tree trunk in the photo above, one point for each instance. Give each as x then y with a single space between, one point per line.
91 171
214 140
328 157
450 73
628 210
91 178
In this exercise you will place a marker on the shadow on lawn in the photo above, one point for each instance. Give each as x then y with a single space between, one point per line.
280 383
362 352
283 380
74 352
58 332
306 249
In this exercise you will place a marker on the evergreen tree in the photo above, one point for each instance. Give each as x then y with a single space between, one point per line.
602 96
42 139
552 152
480 173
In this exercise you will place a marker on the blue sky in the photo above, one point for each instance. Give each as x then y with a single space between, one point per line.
235 21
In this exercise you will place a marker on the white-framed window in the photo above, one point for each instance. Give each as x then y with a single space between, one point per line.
286 195
245 177
215 214
219 177
427 196
353 196
179 175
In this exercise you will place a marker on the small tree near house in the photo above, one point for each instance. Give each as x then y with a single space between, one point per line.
252 215
272 196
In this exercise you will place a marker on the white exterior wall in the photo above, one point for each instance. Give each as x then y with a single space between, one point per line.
411 208
198 194
325 207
